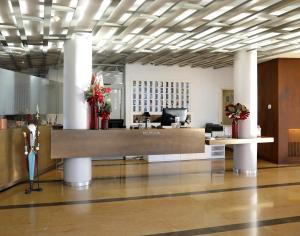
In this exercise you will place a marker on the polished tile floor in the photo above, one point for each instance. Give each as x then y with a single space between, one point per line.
200 197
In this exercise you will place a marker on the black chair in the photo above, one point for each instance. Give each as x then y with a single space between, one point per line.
209 127
116 123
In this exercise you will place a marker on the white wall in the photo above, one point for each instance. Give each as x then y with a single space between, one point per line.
56 74
206 88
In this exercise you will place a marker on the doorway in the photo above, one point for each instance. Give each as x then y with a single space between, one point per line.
227 98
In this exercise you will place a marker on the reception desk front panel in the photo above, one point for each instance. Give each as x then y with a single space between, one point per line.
13 167
124 142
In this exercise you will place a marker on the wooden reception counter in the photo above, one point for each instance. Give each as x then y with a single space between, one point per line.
125 142
13 168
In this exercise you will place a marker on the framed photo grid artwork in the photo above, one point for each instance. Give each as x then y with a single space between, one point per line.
153 96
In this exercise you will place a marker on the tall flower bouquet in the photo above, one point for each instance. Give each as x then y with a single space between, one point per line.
236 112
98 98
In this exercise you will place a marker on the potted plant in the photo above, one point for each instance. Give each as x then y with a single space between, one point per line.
236 112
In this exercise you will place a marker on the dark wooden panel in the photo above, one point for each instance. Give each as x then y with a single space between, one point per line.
268 118
279 85
289 104
123 142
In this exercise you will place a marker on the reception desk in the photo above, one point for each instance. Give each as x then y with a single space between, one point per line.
125 142
13 167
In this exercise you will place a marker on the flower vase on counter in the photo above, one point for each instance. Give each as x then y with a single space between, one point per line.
94 118
104 123
236 112
99 100
235 129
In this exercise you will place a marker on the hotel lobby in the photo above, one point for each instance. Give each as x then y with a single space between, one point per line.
149 117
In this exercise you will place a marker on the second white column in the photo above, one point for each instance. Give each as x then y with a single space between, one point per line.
245 92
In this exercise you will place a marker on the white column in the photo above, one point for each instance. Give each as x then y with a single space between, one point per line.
245 92
77 77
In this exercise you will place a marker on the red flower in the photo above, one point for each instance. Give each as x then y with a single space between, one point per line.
107 90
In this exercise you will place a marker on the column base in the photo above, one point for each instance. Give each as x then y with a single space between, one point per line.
247 173
78 184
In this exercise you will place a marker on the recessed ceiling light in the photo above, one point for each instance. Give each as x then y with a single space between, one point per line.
189 28
196 46
236 30
124 18
137 30
290 28
293 18
82 9
41 10
217 13
259 8
128 37
23 6
110 33
5 33
69 16
60 44
142 43
206 32
101 43
184 15
284 10
254 32
172 38
235 46
11 9
104 5
163 9
291 35
216 38
159 32
117 47
259 38
184 42
136 5
229 41
55 18
239 17
73 3
157 46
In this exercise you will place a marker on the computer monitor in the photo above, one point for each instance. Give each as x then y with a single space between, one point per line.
169 114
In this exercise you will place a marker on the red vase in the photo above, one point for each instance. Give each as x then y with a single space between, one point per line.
104 123
94 117
235 129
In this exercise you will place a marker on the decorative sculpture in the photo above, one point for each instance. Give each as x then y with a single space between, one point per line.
32 146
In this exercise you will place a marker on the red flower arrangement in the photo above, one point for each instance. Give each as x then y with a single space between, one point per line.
237 111
98 98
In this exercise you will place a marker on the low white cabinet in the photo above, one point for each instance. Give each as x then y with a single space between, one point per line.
211 151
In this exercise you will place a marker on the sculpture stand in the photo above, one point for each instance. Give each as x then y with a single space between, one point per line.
32 146
32 182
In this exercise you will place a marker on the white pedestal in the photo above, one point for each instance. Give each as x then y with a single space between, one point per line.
245 92
77 77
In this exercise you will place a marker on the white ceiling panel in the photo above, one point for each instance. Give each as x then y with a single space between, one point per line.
197 33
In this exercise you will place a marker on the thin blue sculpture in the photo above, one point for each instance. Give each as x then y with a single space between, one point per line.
32 146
